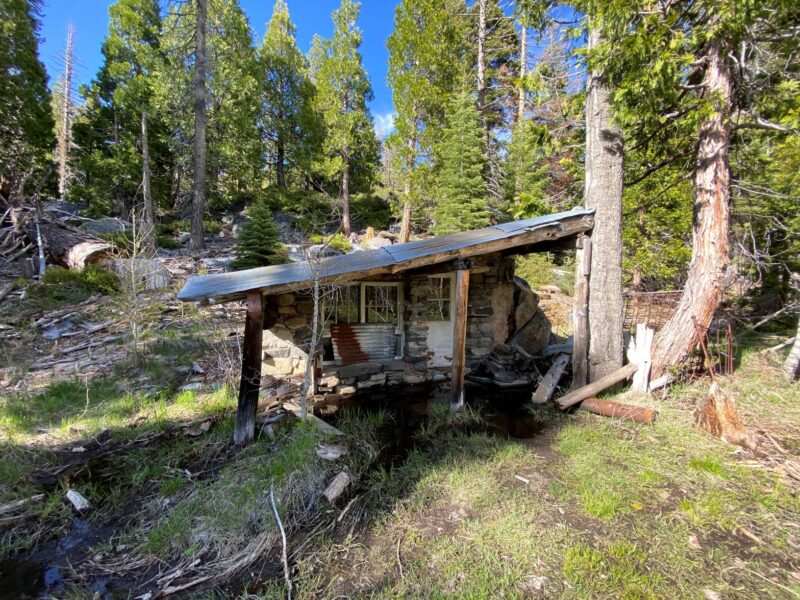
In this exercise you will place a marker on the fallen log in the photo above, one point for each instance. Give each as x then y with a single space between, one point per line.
16 504
6 290
618 410
68 246
550 380
594 388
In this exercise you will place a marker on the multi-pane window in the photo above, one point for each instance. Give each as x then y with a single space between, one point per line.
380 303
438 299
343 306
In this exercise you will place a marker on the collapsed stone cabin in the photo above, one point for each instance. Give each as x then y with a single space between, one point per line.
429 310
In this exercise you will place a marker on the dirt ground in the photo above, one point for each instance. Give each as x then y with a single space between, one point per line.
503 500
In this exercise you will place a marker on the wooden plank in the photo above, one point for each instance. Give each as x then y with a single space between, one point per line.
459 339
617 410
594 388
580 350
644 342
550 380
324 427
251 370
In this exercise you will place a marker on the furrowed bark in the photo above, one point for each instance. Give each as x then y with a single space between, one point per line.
603 192
703 289
199 185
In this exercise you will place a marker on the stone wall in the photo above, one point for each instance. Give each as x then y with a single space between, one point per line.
502 309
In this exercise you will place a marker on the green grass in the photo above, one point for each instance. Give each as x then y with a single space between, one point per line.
611 510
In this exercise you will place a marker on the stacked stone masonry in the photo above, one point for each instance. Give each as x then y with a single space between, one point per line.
502 309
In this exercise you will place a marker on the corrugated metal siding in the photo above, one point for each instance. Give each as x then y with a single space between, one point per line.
228 286
363 342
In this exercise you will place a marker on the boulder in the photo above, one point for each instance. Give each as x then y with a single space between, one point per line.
148 273
502 306
376 242
105 226
526 302
533 335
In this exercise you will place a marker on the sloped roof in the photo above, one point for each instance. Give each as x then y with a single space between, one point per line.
224 287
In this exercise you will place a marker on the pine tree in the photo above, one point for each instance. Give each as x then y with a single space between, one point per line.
343 90
26 122
290 124
234 164
426 49
461 192
259 240
122 156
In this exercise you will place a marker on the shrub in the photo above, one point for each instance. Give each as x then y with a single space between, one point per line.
370 211
168 242
211 227
259 241
337 242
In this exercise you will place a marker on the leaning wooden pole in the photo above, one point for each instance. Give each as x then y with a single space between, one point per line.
251 370
459 338
580 313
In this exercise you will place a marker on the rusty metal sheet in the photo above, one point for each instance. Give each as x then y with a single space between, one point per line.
363 342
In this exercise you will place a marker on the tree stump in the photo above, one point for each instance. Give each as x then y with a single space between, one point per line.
717 414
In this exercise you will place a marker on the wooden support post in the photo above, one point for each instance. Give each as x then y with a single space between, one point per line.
580 349
251 370
459 339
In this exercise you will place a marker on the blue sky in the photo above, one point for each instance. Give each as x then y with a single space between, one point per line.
90 19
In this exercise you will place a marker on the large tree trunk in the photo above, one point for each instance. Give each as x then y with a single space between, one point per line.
199 199
346 195
791 366
280 166
523 63
148 216
481 55
405 225
603 192
65 135
703 290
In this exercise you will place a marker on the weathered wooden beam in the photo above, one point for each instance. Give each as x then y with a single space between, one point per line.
594 388
459 339
548 384
644 342
251 370
617 410
580 349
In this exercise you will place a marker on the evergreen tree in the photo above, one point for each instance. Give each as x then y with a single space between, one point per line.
426 49
461 192
343 89
26 122
259 240
122 154
233 88
289 121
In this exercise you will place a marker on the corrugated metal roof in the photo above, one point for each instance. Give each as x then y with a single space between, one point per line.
273 279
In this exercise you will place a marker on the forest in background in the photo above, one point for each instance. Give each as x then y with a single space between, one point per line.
190 118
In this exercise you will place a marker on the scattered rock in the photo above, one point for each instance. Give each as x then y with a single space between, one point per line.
184 237
191 387
197 369
106 226
331 451
146 272
376 242
78 502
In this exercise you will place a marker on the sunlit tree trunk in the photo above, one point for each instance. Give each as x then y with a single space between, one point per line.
603 192
148 221
199 185
703 289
